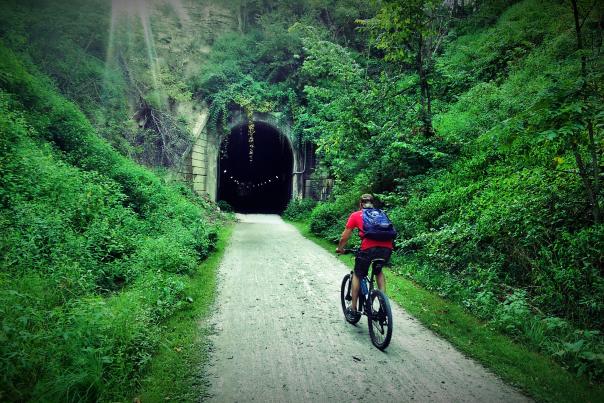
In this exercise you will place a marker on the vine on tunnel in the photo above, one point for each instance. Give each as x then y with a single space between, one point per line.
250 107
250 132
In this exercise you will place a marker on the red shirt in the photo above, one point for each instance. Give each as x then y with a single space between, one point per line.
356 221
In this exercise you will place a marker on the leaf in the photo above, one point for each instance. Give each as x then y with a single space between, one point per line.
574 347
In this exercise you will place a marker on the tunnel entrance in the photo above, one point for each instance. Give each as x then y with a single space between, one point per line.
262 185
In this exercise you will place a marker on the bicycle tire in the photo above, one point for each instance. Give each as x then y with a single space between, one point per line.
346 299
379 319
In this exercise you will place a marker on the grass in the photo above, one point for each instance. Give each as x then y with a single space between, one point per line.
535 374
176 372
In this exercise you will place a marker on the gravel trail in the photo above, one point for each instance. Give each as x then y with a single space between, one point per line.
280 336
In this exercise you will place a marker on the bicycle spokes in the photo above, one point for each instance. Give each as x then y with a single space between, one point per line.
380 320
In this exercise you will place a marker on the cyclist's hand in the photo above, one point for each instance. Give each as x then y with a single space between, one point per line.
339 251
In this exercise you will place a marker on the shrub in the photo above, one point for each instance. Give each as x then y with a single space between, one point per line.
165 254
327 220
299 209
225 206
162 293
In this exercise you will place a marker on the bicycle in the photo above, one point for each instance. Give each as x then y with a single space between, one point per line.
373 303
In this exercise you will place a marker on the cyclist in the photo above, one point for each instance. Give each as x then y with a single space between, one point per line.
370 249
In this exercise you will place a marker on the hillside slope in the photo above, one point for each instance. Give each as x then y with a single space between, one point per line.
95 250
494 209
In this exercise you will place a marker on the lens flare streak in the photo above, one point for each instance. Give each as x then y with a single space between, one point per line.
126 13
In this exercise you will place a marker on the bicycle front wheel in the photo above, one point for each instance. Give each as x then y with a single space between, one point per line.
346 298
379 319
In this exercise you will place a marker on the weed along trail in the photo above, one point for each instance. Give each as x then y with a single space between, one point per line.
279 334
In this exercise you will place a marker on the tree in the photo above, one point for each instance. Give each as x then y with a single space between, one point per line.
589 170
590 102
570 117
412 32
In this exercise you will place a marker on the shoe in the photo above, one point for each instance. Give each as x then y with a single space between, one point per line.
352 314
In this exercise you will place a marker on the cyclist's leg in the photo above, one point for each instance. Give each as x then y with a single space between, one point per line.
354 291
381 281
381 253
361 268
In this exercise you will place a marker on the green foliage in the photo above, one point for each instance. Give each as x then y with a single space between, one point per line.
249 73
174 370
496 210
261 70
370 128
77 31
298 209
224 206
168 255
96 250
328 218
398 26
324 221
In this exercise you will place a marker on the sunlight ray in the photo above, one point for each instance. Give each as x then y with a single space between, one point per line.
180 11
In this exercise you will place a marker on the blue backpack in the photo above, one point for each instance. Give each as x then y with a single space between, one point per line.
377 225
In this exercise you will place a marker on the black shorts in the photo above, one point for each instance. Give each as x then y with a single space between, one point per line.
364 258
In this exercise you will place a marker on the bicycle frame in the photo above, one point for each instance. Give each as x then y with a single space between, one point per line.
380 316
374 264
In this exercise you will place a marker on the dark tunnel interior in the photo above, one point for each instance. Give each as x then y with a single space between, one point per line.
262 185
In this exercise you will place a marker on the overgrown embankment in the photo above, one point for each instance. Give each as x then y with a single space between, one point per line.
494 207
96 251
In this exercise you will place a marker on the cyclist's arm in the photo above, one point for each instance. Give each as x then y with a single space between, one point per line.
344 239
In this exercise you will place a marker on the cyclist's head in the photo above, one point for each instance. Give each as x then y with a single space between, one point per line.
366 201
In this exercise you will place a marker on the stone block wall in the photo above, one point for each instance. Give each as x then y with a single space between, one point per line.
199 157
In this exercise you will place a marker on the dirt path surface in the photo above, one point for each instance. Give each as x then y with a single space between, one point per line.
280 335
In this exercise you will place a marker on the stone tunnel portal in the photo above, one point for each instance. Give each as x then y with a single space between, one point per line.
262 184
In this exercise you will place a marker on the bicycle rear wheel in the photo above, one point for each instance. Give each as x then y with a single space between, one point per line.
379 319
346 298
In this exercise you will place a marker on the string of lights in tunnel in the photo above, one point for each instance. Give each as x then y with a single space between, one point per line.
250 184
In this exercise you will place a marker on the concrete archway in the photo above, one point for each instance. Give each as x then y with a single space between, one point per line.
203 164
255 172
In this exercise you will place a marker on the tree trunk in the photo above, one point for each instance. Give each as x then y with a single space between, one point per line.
242 17
595 167
579 38
427 72
424 86
586 179
591 177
